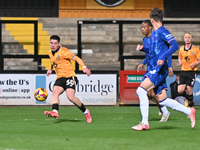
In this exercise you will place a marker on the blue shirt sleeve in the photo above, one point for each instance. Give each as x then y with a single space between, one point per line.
145 61
145 49
169 61
167 37
170 51
146 44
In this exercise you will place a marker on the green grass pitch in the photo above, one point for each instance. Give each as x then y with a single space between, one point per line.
26 128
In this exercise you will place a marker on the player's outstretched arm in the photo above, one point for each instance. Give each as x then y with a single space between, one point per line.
139 47
195 64
140 67
86 70
170 72
81 63
49 72
145 61
170 51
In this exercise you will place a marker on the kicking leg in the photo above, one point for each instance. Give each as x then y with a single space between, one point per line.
177 106
71 96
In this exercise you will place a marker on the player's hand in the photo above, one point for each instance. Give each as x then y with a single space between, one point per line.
192 65
140 67
49 72
180 62
139 47
170 72
160 62
87 71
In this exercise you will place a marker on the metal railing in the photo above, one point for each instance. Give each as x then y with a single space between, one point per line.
35 56
120 23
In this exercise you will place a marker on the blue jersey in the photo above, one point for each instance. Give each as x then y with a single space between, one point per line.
159 46
146 45
159 49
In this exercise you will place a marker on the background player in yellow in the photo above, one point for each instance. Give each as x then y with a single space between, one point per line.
189 58
66 78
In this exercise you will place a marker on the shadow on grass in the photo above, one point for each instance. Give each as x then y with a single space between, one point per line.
66 120
197 108
167 127
154 119
158 119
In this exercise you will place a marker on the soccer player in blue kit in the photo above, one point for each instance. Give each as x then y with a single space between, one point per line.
146 28
162 44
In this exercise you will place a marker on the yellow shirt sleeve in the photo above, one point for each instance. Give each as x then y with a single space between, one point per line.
79 61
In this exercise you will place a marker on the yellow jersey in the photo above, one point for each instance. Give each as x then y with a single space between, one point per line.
188 57
61 61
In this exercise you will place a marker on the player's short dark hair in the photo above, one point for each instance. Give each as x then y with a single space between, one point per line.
157 14
148 22
55 37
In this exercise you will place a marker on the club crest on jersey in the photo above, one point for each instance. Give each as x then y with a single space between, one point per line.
155 38
110 3
58 57
192 53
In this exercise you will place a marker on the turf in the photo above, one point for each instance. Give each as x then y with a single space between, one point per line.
26 128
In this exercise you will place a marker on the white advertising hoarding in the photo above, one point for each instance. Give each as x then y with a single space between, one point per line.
18 89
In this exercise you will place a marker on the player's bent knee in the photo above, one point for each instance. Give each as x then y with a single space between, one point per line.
138 91
141 91
70 97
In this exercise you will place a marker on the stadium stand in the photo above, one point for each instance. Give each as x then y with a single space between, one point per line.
99 42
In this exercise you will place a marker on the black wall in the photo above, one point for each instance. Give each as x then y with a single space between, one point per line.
182 8
29 8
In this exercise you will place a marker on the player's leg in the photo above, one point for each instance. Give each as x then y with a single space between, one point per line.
189 96
181 89
182 92
166 114
76 101
57 90
162 109
151 94
162 85
187 78
163 100
144 104
152 97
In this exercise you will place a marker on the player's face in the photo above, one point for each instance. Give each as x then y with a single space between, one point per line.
146 29
188 38
54 44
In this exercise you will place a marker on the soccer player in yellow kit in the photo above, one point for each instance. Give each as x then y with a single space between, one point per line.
66 80
189 58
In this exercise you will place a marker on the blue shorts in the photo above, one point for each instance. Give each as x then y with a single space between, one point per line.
157 76
148 69
144 76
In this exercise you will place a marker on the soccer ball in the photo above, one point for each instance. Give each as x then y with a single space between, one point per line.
40 94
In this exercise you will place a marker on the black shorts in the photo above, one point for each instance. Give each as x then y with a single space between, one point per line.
188 78
66 83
